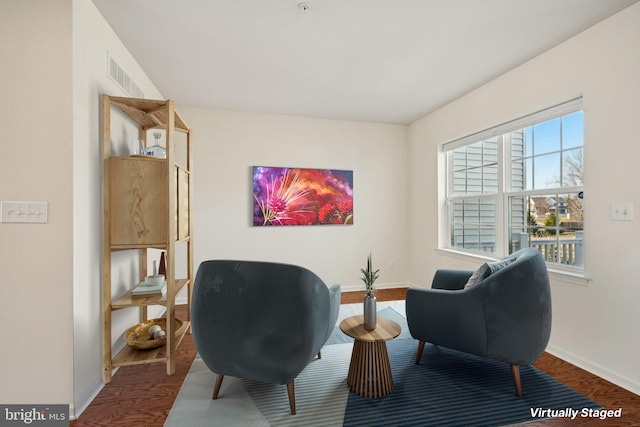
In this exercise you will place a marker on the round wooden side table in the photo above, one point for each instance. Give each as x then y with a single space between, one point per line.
369 370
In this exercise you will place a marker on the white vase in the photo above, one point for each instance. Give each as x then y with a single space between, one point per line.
370 312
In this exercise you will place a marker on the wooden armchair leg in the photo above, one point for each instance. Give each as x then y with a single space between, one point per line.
216 389
319 355
292 398
515 373
420 350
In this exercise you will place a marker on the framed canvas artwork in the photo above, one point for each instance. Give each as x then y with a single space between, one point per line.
299 196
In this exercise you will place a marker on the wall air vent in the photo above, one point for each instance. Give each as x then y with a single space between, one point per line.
122 79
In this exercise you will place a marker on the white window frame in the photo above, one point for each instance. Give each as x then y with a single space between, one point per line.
502 196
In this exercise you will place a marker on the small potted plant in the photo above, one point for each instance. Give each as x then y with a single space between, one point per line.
369 277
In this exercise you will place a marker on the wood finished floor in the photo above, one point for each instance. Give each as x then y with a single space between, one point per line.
142 396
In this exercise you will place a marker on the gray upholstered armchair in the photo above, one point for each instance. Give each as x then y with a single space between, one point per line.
261 321
506 316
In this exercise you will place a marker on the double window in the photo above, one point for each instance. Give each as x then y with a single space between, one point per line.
520 185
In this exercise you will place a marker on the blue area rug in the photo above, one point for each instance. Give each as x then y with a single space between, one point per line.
450 388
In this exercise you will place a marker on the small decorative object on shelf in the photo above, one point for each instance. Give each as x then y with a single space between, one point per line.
157 150
155 332
138 147
145 290
369 277
153 329
162 268
150 334
153 285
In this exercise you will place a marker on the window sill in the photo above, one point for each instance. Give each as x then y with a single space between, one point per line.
467 256
572 277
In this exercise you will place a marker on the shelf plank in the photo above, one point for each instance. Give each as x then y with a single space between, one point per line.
129 356
148 113
127 300
135 246
160 246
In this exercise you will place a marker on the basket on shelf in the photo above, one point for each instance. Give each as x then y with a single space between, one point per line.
138 337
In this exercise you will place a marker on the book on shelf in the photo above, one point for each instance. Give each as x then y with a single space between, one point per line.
146 290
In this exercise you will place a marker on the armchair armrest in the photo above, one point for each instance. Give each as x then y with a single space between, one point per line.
453 319
450 279
335 292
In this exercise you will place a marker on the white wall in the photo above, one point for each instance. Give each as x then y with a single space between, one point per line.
36 165
595 323
228 143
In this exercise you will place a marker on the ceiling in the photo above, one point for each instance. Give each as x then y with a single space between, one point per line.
389 61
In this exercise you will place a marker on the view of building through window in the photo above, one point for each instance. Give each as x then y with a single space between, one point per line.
521 188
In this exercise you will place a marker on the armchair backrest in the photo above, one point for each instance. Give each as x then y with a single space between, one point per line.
517 302
247 315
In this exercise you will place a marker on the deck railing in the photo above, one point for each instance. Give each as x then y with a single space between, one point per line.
562 251
566 251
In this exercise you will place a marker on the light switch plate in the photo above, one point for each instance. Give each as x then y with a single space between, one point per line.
622 211
29 212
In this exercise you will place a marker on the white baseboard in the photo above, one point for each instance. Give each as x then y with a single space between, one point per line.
182 299
594 368
392 285
85 401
